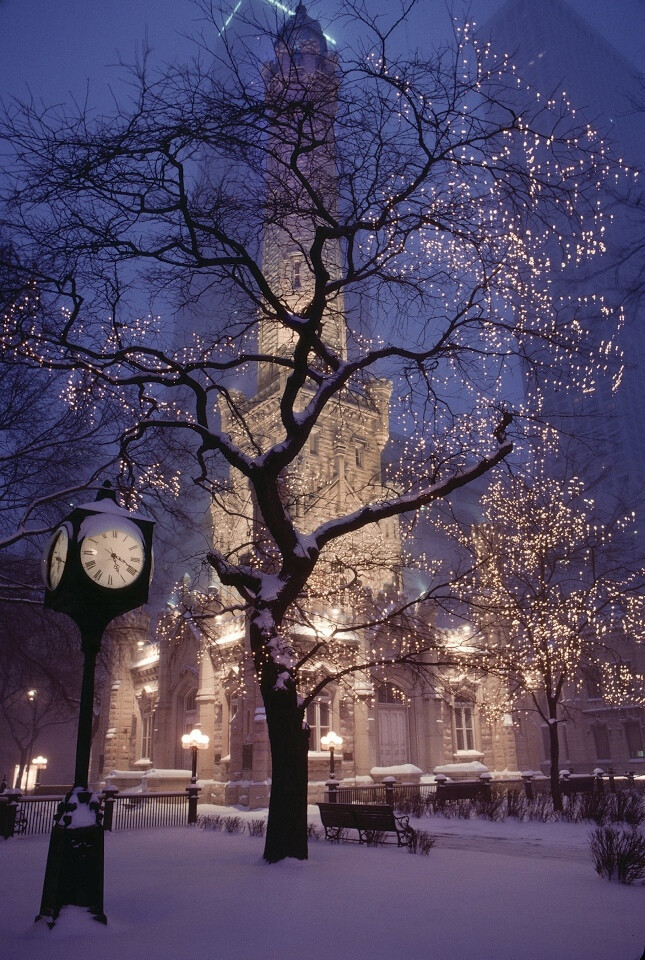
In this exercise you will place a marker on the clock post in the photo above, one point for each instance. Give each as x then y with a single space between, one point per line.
97 566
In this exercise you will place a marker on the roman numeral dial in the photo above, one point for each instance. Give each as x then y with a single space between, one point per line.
113 557
56 558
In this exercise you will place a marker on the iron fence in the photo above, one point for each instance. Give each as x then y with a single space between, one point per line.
381 793
149 810
28 816
407 795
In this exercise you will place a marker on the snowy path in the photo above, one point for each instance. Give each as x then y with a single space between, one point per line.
485 892
549 841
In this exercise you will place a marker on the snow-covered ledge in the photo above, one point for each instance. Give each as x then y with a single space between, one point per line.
149 781
462 771
402 772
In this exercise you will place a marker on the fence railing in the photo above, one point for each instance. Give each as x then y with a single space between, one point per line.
147 810
27 816
404 794
386 793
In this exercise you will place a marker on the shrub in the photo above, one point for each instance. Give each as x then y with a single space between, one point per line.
586 806
256 828
209 821
605 808
233 824
619 853
419 806
627 808
540 808
457 809
375 838
490 808
517 804
423 843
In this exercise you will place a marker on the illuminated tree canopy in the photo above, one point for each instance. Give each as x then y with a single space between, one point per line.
557 594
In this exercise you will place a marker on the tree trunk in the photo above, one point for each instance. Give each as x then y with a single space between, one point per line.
554 749
286 834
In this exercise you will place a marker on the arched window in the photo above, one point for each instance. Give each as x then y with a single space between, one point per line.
388 693
464 725
147 732
190 710
147 703
319 720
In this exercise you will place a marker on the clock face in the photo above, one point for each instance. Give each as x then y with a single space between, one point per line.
56 558
113 557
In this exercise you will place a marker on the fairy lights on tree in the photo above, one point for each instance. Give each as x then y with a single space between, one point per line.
434 195
558 598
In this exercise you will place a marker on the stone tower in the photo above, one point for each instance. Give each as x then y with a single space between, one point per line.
340 469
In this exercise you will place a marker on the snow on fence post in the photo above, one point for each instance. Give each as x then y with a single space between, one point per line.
486 779
108 795
612 780
389 790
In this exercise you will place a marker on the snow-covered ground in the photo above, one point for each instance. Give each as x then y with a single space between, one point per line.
487 891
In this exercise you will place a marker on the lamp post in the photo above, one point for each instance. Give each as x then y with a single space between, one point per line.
195 740
32 698
40 763
331 741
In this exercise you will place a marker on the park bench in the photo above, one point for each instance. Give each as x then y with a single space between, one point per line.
371 821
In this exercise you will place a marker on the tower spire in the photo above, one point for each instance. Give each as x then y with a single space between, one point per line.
302 88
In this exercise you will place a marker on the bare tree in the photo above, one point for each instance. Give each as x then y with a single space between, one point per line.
296 200
40 668
557 595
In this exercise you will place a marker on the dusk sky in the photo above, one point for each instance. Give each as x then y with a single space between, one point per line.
56 46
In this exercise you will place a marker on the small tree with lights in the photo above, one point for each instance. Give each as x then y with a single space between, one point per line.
294 199
558 596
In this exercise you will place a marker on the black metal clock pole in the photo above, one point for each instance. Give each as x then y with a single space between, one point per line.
75 862
97 567
90 646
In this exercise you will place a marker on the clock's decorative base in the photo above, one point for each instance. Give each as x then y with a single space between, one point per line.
74 872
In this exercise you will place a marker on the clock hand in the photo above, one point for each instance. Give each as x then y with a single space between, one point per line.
115 556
